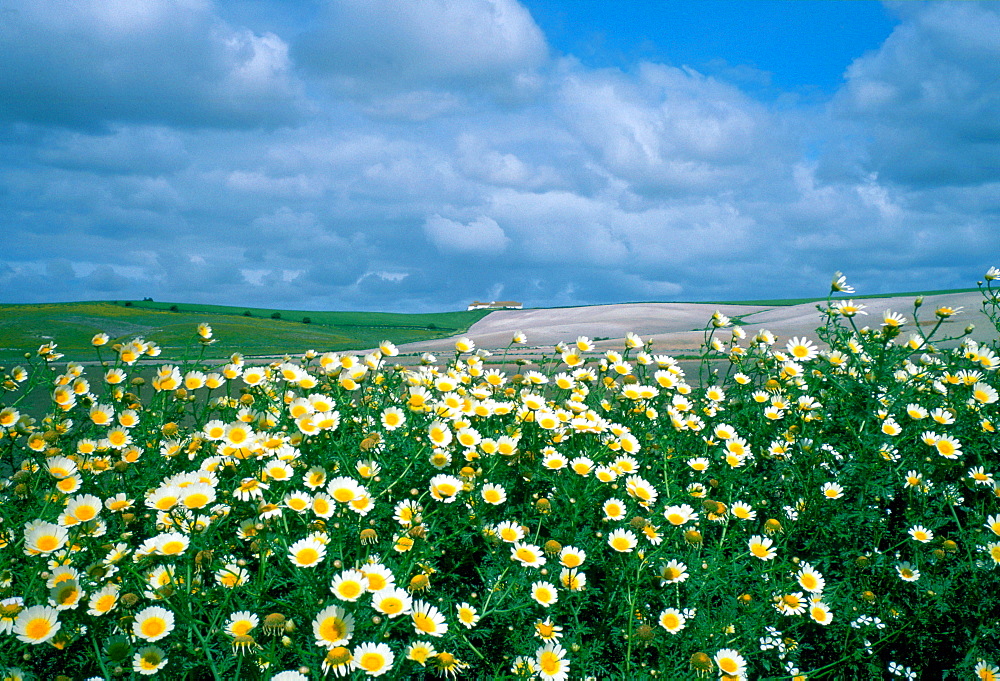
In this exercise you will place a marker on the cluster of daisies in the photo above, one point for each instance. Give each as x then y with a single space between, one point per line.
338 514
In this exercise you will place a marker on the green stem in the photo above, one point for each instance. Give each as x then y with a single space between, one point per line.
205 647
100 658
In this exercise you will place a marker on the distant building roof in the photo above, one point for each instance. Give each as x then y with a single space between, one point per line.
495 305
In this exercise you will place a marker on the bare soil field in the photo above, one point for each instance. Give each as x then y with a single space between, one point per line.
677 328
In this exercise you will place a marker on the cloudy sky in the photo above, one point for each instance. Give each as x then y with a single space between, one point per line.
415 155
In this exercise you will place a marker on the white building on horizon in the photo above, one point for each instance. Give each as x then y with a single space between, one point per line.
495 305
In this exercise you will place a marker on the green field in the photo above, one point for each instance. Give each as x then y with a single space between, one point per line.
72 325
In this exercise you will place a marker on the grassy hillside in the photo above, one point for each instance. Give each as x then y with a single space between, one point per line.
251 331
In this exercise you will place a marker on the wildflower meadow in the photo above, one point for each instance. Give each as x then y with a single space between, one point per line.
789 508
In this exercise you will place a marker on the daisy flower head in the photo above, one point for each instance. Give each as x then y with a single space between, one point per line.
66 595
743 511
344 489
467 615
153 623
103 600
614 509
802 349
672 620
730 662
892 320
527 555
510 531
172 543
920 533
393 418
979 476
420 652
719 320
333 626
641 490
907 572
679 515
445 488
551 663
148 660
890 427
572 557
392 601
699 463
307 553
606 474
43 538
948 446
840 285
622 540
761 547
791 604
673 572
544 593
84 507
573 579
232 575
60 467
241 623
447 664
810 579
378 575
349 585
832 490
547 630
428 620
582 465
375 659
820 612
36 624
984 670
848 308
493 494
290 675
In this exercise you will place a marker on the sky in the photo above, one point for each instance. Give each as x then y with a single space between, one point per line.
415 156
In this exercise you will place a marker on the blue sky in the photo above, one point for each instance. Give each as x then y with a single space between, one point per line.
377 155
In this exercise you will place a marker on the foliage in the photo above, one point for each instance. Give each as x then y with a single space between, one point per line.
801 513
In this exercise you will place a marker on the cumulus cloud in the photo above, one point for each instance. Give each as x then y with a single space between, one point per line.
375 47
481 236
90 64
929 97
668 129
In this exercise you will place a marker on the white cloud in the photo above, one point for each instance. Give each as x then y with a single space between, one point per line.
370 44
667 129
92 64
481 236
929 97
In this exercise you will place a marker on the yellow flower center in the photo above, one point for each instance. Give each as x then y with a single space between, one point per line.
153 627
549 662
332 629
391 605
307 556
37 629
